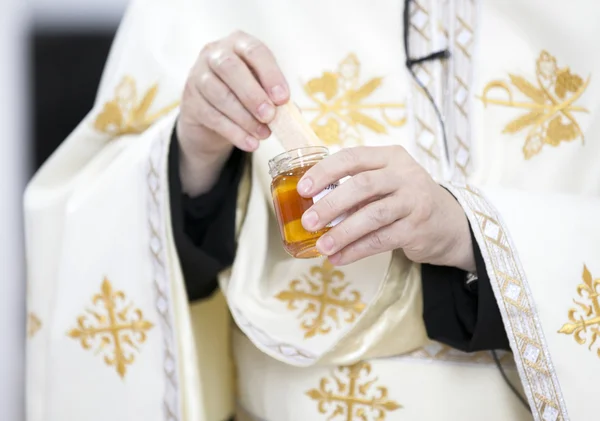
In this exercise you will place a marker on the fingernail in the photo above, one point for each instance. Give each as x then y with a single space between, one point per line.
304 185
251 142
266 111
310 219
278 93
263 131
335 259
325 244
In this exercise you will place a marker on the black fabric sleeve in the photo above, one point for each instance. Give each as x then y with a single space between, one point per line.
464 318
204 226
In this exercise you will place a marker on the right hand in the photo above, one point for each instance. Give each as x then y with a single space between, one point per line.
229 98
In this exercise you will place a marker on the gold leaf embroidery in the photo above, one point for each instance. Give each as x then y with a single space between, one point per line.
34 324
349 394
112 327
340 106
325 295
550 118
125 115
584 319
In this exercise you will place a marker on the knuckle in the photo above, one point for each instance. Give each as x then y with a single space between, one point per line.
329 203
209 47
222 60
228 99
376 242
253 47
345 228
205 80
349 156
379 214
363 181
255 98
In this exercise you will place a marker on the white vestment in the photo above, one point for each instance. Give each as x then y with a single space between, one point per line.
114 337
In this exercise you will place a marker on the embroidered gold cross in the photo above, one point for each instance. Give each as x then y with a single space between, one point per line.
341 108
352 395
126 114
584 319
325 294
112 328
550 107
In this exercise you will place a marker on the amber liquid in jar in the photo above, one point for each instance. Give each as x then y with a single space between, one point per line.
287 169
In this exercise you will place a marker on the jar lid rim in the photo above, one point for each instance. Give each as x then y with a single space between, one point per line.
296 154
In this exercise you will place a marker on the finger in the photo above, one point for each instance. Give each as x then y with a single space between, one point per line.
346 162
384 239
262 61
357 190
236 74
223 99
367 220
216 121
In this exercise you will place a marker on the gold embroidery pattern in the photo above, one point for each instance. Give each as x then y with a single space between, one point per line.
126 113
464 35
514 300
427 134
113 328
34 324
550 117
326 296
351 394
340 105
161 277
584 319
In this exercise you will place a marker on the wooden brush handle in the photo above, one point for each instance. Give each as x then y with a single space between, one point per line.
292 130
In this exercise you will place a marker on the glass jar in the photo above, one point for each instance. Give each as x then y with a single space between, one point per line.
287 169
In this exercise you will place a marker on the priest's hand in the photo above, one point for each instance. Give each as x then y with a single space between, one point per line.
391 203
228 100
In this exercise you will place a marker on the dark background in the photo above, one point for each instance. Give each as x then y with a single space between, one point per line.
66 68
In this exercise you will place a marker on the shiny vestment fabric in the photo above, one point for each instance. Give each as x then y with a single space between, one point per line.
113 327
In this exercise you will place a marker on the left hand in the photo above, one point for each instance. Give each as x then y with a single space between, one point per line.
392 203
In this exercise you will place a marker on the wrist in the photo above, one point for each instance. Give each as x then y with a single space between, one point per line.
464 258
459 250
199 168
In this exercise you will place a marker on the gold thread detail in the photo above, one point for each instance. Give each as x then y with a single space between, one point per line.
112 327
126 113
584 319
550 104
351 393
325 295
464 15
341 110
34 325
514 300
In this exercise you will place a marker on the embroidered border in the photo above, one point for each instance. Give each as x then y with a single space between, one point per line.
424 121
463 46
516 306
286 351
156 192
